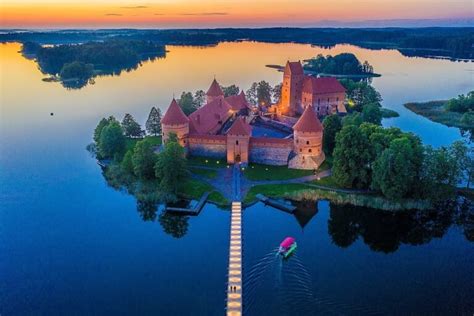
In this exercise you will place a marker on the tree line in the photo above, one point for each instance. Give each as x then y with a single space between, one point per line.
83 61
341 64
138 166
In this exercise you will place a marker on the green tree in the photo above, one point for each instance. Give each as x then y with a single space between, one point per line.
187 103
251 94
153 123
144 159
438 176
372 113
131 127
360 93
394 172
468 119
98 130
276 92
77 70
264 93
112 141
171 167
351 158
199 98
230 90
355 119
332 125
127 163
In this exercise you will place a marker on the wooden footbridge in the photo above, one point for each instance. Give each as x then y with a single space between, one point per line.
234 283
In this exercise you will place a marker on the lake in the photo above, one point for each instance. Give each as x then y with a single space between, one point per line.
70 244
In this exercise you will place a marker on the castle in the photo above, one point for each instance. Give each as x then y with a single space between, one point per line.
226 127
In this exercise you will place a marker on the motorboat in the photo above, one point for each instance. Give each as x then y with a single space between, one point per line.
287 247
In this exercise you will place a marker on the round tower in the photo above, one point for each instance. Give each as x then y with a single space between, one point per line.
308 141
175 122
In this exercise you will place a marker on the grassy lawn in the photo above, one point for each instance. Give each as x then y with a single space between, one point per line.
207 162
154 140
434 111
210 174
194 189
329 182
264 172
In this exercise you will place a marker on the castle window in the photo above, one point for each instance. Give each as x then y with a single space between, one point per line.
337 99
319 101
307 142
328 100
236 142
301 150
309 150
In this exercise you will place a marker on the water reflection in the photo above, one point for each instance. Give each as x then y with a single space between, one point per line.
174 225
386 231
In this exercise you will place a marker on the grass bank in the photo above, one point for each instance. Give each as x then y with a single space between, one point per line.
207 162
257 172
194 189
435 111
387 113
153 140
300 192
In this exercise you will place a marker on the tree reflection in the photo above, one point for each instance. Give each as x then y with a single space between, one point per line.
147 209
386 231
174 225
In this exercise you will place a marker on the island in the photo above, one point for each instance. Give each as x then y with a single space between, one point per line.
318 138
75 64
457 112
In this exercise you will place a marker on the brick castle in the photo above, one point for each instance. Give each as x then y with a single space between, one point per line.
222 128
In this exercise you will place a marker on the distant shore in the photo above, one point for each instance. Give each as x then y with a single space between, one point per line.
435 111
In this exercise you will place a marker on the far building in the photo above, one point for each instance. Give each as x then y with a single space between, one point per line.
225 128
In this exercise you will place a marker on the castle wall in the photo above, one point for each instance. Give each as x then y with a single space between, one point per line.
270 151
212 146
181 131
325 103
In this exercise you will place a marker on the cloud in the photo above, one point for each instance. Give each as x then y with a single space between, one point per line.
135 7
113 14
158 14
206 13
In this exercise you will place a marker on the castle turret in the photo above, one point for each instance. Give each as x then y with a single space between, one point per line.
214 92
238 139
175 121
290 102
308 141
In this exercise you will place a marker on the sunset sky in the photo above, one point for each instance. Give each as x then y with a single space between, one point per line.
223 13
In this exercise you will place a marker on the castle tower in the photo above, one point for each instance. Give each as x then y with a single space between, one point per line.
175 121
291 89
308 141
214 92
238 139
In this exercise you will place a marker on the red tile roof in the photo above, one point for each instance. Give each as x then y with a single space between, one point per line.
238 102
322 85
215 89
209 118
294 67
240 127
174 115
308 122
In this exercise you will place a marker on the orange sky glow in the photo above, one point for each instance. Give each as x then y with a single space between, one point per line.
223 13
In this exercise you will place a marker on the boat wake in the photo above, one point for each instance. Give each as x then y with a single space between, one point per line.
273 286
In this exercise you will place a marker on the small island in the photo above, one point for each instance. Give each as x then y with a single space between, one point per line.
345 65
75 64
457 112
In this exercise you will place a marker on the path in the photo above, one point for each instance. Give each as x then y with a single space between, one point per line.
234 283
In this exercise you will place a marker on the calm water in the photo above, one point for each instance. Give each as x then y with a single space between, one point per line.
69 244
